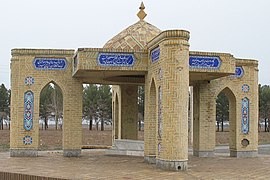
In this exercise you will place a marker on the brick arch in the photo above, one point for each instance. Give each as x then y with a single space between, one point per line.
232 114
152 106
116 115
44 84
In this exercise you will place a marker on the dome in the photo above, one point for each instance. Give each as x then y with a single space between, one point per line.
136 36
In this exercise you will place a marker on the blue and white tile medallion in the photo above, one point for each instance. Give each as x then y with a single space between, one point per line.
204 62
28 110
245 115
245 88
239 72
155 53
27 140
29 81
50 63
116 59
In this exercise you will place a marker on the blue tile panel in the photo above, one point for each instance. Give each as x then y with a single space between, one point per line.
245 115
28 110
116 59
50 63
204 62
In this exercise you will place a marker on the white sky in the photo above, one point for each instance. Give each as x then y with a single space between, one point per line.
240 27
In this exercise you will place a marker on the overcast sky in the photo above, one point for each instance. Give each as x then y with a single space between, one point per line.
239 27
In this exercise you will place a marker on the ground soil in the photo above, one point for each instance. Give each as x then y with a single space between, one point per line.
51 139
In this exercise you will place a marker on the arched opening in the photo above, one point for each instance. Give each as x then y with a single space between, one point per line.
141 99
226 118
116 117
50 117
153 122
97 115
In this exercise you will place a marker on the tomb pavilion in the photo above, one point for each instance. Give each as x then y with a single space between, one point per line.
162 62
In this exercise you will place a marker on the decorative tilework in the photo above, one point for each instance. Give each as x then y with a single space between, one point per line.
160 74
116 59
204 62
245 88
28 110
50 63
155 54
27 140
239 72
29 81
159 148
159 111
245 115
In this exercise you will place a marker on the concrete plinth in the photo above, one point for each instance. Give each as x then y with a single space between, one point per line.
243 154
23 153
171 165
71 152
203 153
150 159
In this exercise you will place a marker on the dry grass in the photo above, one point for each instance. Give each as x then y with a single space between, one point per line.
51 139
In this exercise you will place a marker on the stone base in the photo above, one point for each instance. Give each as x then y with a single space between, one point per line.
71 152
150 159
243 154
203 153
23 153
171 165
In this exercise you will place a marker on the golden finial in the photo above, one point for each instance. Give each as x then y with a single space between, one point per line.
141 14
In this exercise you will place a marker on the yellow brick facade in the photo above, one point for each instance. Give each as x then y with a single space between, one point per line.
166 80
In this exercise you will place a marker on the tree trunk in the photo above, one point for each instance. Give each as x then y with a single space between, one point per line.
265 125
218 126
97 126
222 125
46 123
140 125
56 121
102 124
90 124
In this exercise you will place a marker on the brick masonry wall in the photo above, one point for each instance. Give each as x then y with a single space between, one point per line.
22 67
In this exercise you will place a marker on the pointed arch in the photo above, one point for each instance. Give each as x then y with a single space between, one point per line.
232 115
152 109
51 93
116 117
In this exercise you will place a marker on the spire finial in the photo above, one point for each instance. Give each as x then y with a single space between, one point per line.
141 14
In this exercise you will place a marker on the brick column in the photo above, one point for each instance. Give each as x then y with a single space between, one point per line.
204 120
172 93
129 112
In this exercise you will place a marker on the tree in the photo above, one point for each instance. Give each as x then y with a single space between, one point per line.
45 105
222 110
4 104
141 105
57 100
104 105
90 97
264 104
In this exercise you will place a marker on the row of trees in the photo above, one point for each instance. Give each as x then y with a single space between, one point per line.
4 105
264 105
97 106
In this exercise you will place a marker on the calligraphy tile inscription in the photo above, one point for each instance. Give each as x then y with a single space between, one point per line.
245 115
204 62
155 54
50 63
28 110
116 59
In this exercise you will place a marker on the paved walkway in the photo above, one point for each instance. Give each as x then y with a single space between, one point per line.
94 164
